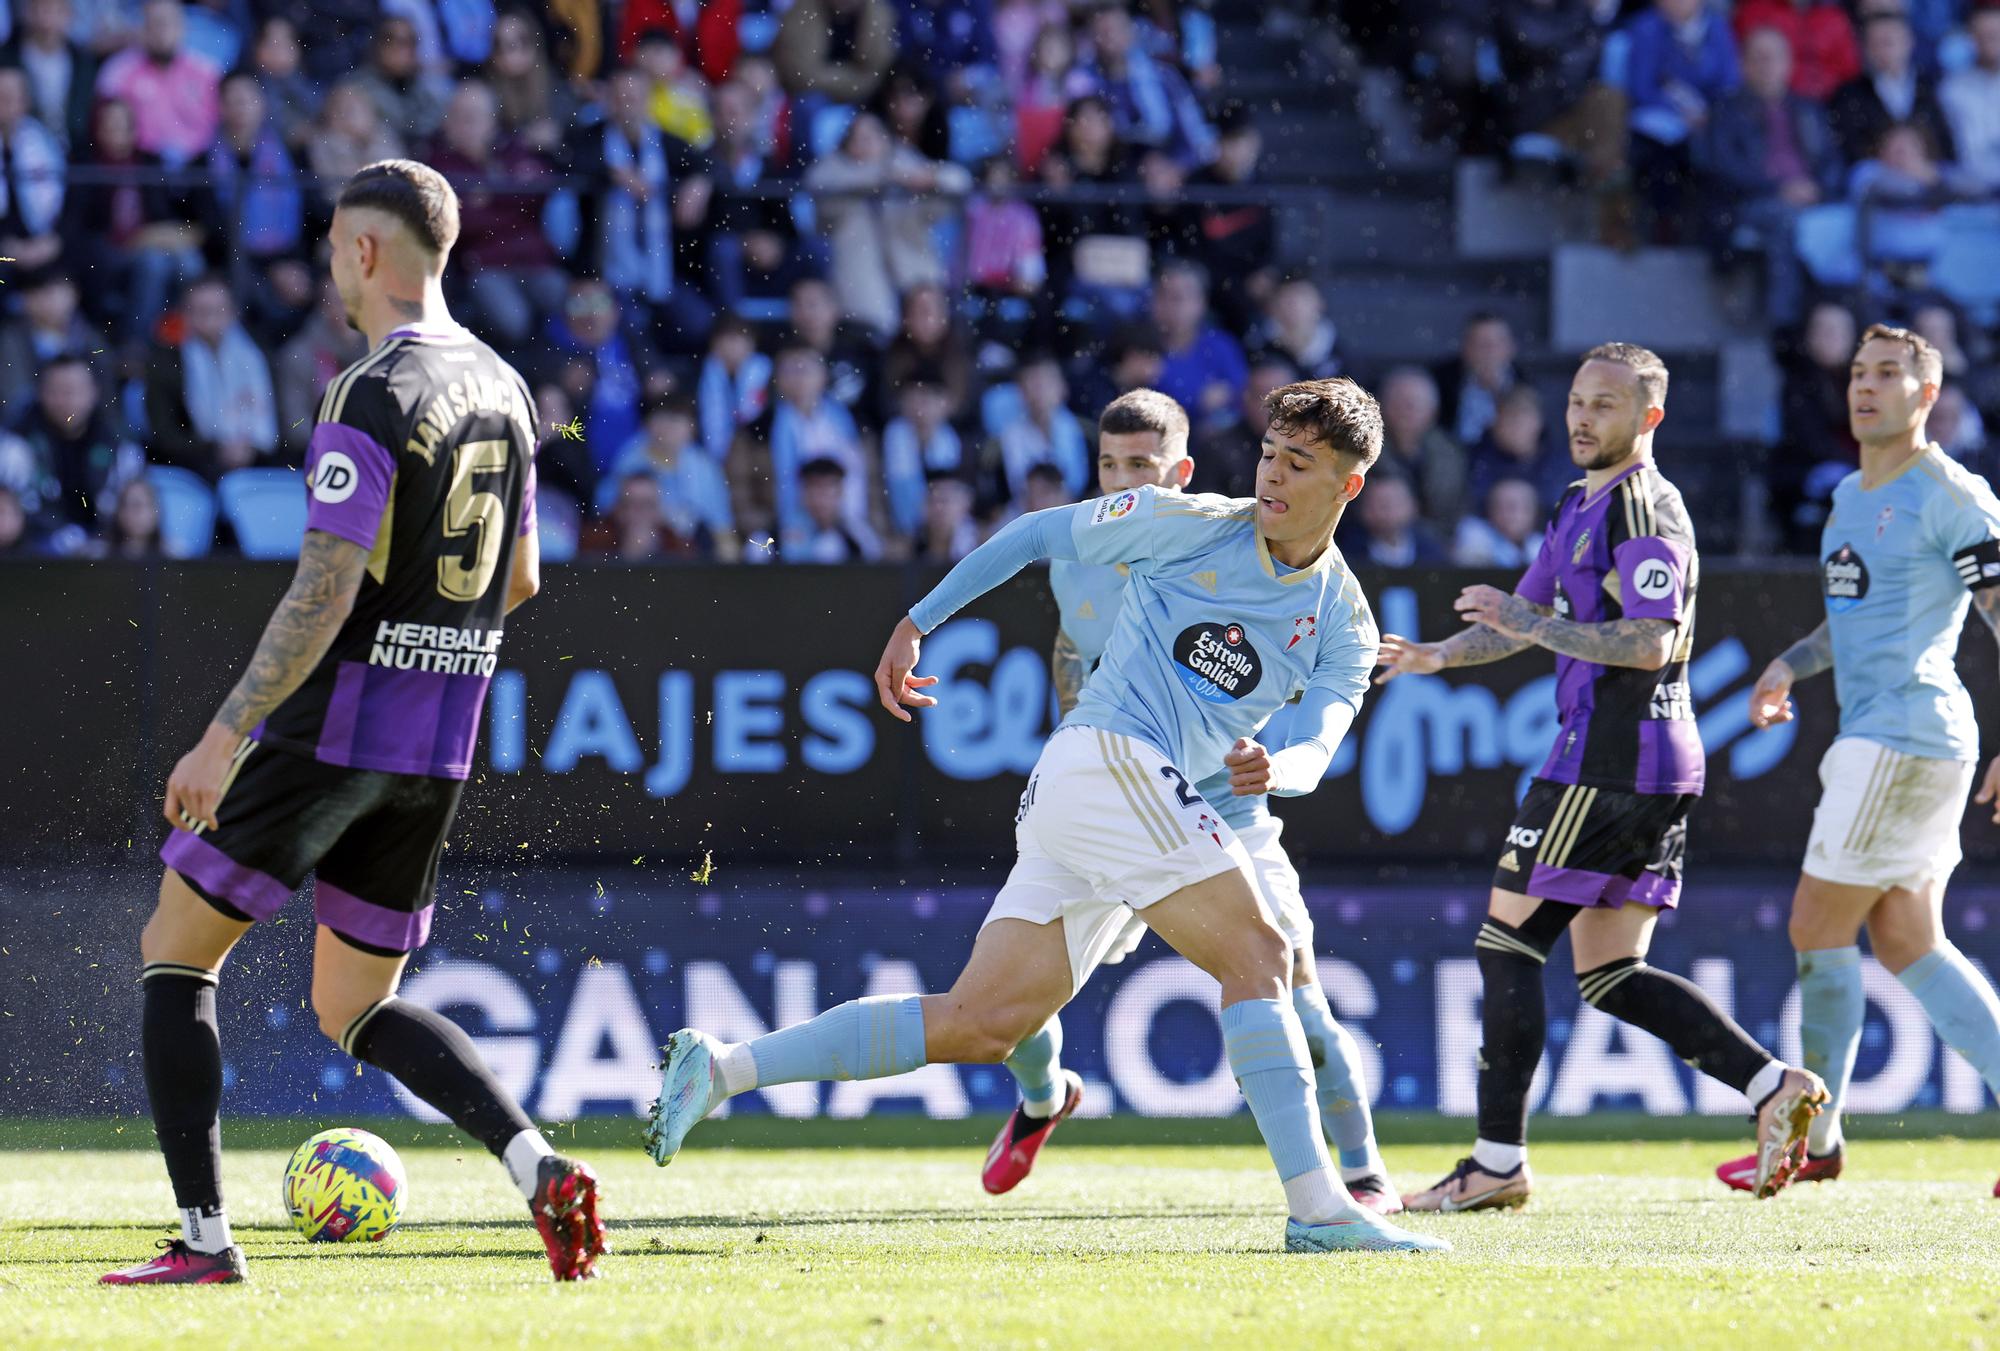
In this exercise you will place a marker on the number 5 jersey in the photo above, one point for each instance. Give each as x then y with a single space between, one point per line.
424 456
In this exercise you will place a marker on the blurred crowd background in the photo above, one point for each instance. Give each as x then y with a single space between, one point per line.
848 280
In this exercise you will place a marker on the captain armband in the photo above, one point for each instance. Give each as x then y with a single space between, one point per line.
1979 564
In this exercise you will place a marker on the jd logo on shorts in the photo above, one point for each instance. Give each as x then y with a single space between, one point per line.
335 479
1846 578
1217 662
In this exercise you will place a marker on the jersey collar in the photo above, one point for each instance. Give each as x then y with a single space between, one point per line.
1933 448
450 331
1591 499
1328 560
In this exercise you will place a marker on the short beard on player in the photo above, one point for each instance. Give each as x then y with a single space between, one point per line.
1608 453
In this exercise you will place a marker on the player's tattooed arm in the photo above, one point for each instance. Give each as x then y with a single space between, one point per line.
1479 644
302 628
1641 643
1986 601
1066 667
1811 654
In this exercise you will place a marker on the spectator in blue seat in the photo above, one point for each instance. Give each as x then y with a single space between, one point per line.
1099 254
754 248
292 98
132 531
804 425
1044 430
1682 64
1417 449
325 345
135 241
926 339
1816 442
49 327
62 73
1774 155
32 169
209 400
954 39
693 494
853 366
1151 102
1391 536
826 530
412 100
635 528
607 366
733 387
1471 383
1235 241
1226 457
80 457
919 441
1505 536
254 196
948 532
1295 324
654 186
1971 100
1519 444
1205 369
1889 89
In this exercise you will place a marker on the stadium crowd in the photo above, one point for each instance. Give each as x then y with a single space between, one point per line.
847 280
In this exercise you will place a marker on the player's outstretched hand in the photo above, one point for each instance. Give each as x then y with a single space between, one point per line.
1989 789
894 683
1406 656
1249 766
1770 701
1489 605
194 789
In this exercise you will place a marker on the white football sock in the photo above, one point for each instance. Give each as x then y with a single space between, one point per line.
1317 1197
1765 1082
523 1157
205 1232
736 1069
1498 1159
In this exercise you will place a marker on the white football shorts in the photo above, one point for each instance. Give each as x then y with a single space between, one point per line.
1108 826
1886 819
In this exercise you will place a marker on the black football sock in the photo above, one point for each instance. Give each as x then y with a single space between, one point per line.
1678 1013
1513 1018
182 1056
434 1059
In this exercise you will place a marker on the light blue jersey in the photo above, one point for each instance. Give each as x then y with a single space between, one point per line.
1088 598
1213 636
1900 561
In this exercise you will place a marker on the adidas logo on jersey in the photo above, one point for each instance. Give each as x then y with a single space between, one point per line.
1086 611
1510 861
1206 581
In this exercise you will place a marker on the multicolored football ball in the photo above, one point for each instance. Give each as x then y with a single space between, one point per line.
345 1186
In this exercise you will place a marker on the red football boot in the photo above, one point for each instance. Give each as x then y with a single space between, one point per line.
179 1264
565 1210
1375 1193
1012 1157
1741 1174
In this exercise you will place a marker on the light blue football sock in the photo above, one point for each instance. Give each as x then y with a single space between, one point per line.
1037 1067
1962 1007
1831 1009
861 1039
1267 1053
1344 1118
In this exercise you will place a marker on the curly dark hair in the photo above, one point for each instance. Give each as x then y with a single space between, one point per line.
1337 413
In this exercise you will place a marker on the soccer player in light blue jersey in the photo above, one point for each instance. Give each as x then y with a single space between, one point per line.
1912 542
1232 608
1142 441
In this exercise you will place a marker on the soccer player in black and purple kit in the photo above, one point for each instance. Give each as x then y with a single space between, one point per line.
1597 844
344 748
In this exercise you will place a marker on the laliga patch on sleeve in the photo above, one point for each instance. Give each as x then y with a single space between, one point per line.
335 478
1653 579
1114 508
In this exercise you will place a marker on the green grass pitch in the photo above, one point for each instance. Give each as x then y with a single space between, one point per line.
1628 1243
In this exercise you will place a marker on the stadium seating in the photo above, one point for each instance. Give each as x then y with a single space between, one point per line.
187 510
267 509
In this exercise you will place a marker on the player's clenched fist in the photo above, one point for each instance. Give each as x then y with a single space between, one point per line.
1406 656
1770 701
1249 766
894 683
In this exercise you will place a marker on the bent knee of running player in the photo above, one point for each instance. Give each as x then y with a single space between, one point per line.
186 929
1017 976
348 981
